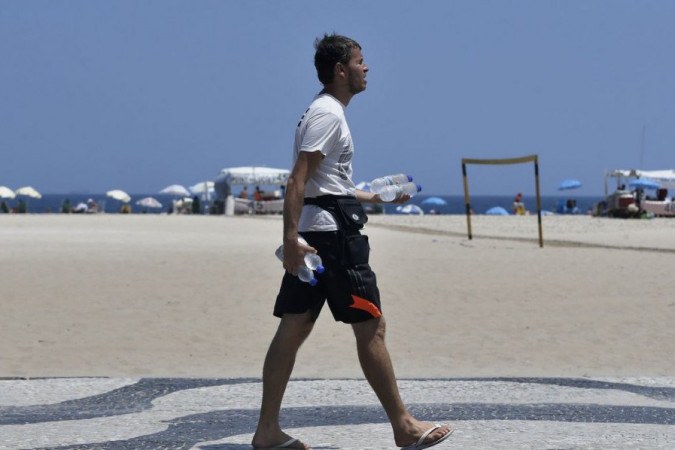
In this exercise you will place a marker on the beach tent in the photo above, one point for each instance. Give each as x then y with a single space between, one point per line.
255 175
244 176
665 178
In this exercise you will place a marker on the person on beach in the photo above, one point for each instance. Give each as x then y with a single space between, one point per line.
518 205
257 194
323 205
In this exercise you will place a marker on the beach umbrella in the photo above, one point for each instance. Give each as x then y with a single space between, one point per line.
28 191
149 202
641 183
204 189
568 184
363 186
436 201
176 189
81 207
497 211
183 201
6 192
119 195
410 209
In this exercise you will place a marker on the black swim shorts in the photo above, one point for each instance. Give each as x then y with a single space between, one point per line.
348 283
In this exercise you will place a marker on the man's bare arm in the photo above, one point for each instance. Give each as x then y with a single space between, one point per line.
304 167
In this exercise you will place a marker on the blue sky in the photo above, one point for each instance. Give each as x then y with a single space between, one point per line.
137 95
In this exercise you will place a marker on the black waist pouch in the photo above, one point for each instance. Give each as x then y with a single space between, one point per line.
348 211
357 249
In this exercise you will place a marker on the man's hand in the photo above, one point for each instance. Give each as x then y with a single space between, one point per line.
369 197
402 199
294 255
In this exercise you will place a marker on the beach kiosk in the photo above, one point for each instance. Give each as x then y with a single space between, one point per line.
270 202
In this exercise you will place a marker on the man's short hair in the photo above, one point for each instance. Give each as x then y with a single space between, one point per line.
330 50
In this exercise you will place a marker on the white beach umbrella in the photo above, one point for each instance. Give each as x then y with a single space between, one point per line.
363 186
149 202
81 207
119 195
202 187
410 209
6 192
176 189
28 191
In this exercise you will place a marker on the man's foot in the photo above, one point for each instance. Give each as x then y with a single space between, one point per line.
281 440
421 435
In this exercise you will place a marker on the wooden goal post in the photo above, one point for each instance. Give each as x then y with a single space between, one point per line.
504 161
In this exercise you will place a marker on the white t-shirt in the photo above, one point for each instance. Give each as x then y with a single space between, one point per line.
324 128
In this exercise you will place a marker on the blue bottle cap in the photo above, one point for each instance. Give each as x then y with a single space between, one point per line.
313 282
320 269
409 178
419 187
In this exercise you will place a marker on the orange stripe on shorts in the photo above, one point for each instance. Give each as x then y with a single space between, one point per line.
365 305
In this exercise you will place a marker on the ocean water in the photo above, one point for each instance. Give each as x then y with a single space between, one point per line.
51 203
481 203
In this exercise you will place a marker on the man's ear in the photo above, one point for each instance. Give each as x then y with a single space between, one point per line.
340 70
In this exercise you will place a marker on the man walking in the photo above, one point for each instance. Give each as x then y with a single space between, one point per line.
323 205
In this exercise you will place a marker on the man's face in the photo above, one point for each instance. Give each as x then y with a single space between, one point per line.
356 72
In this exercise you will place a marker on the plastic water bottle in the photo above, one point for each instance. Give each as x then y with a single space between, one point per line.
312 262
378 184
391 193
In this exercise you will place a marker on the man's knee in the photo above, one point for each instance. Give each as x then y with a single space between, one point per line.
296 325
370 330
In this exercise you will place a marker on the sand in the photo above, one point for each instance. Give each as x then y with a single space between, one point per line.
156 295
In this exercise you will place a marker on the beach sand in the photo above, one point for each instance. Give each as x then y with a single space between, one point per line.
184 296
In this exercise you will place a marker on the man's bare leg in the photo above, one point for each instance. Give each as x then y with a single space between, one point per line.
379 372
292 332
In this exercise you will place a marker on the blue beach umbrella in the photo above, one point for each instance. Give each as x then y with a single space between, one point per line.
436 201
641 183
497 211
568 184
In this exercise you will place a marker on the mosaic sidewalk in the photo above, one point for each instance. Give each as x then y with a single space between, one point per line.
220 414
